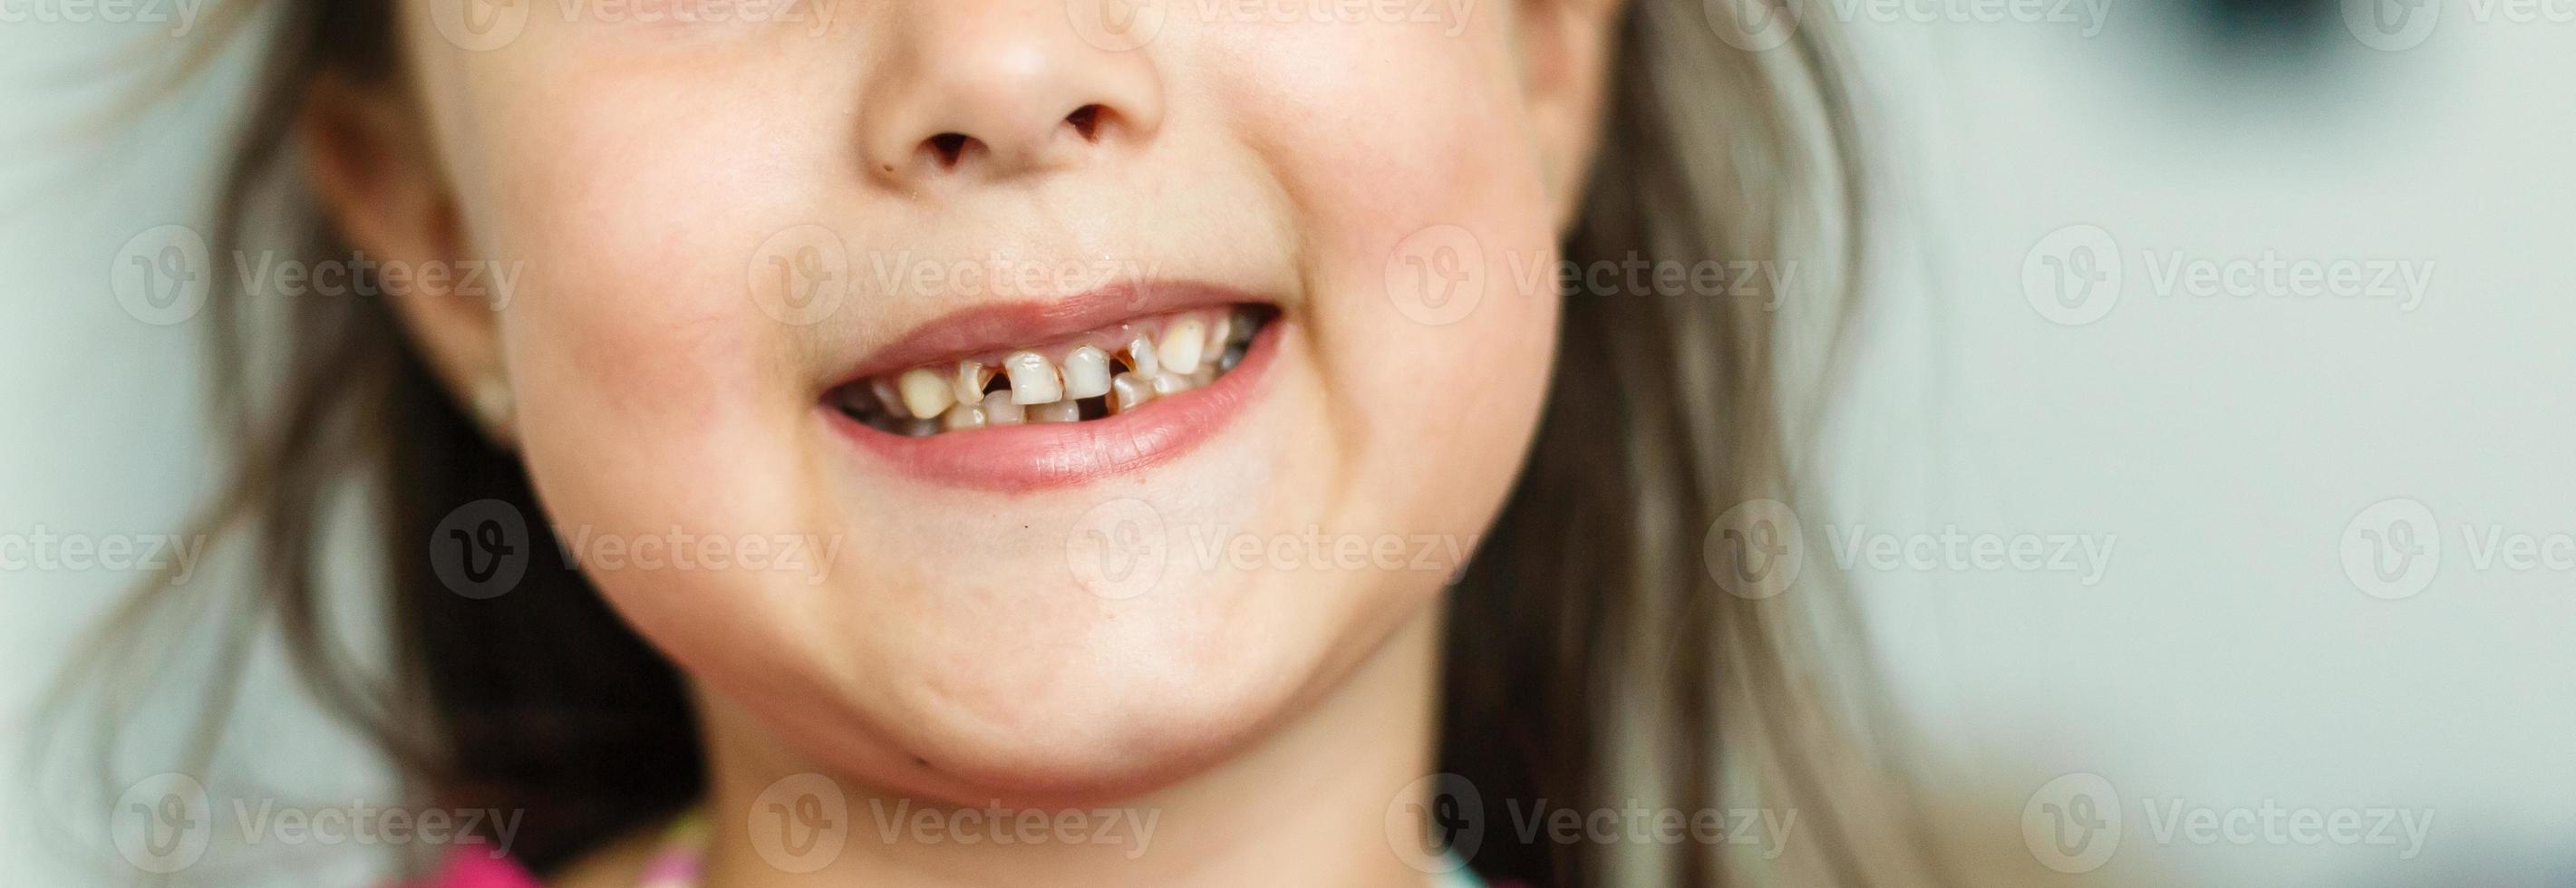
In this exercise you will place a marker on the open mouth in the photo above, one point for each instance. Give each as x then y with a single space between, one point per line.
1108 371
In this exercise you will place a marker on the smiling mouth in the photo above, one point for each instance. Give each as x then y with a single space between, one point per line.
1113 370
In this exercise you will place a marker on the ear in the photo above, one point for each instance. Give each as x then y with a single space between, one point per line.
377 175
1565 49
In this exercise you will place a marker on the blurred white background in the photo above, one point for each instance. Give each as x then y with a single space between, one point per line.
2229 648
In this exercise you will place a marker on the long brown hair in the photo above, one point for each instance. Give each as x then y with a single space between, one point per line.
1591 659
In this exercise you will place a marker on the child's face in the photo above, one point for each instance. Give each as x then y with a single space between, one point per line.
725 230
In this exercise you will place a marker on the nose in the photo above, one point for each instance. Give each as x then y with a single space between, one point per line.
993 89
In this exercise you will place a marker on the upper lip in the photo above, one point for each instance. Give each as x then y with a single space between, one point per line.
1002 325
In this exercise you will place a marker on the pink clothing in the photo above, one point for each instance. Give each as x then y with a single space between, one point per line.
475 867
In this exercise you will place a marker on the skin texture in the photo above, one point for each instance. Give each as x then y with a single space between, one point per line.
637 176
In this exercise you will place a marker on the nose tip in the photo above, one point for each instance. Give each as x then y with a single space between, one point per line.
968 94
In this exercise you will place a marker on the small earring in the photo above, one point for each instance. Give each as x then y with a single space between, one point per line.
493 405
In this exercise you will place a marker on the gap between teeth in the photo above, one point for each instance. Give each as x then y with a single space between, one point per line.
1193 348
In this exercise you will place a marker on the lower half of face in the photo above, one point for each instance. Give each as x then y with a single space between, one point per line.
1031 469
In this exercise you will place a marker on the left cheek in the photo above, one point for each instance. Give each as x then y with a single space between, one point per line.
1432 245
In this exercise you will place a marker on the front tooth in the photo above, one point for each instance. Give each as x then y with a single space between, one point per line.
1056 411
1086 373
971 377
1033 380
1183 344
1140 357
962 416
925 394
1169 384
1003 412
1128 391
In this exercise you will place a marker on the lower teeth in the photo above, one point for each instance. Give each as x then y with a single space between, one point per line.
1138 379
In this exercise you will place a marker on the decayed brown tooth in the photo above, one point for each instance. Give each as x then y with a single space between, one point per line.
1033 379
1141 357
969 384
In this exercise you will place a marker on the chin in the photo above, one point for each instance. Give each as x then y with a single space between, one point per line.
1074 709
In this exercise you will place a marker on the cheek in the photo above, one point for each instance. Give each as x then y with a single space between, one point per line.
654 389
1431 251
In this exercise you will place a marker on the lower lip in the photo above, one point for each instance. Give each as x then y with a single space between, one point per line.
1024 458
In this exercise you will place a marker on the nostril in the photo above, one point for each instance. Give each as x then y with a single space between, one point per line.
949 148
1085 121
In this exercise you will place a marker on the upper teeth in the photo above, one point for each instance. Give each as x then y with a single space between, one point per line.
1086 373
1193 349
1033 380
925 394
1182 346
